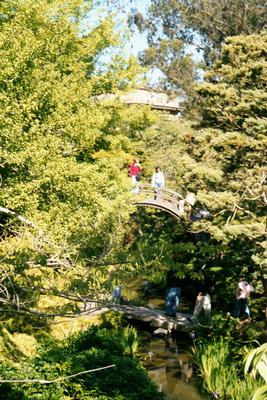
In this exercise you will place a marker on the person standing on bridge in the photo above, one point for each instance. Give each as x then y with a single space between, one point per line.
172 301
135 174
116 295
158 181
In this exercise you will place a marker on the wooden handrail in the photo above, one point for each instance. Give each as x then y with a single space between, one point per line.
169 200
165 194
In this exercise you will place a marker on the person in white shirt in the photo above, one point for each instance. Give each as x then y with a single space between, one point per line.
116 294
190 198
158 180
203 302
181 204
243 291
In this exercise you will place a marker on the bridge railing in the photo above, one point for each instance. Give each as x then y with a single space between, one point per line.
164 194
170 201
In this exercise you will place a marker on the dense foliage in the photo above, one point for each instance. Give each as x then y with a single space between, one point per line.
224 360
64 148
177 25
223 161
68 229
223 378
94 348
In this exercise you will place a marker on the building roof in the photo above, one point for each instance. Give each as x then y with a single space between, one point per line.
154 98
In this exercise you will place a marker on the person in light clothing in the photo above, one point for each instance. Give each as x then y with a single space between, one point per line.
181 204
116 294
243 291
190 198
158 180
203 302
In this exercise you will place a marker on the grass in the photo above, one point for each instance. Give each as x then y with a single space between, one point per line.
222 376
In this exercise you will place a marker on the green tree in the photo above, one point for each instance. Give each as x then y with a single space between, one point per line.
223 161
172 25
64 192
234 100
67 361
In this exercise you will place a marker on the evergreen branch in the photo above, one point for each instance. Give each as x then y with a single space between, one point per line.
44 381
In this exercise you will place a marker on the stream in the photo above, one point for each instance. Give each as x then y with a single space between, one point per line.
167 360
169 365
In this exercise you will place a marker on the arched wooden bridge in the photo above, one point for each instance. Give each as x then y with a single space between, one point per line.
165 199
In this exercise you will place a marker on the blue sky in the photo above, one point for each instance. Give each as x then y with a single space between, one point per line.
120 11
135 42
138 41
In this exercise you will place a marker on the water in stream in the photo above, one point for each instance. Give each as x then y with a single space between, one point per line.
168 361
170 367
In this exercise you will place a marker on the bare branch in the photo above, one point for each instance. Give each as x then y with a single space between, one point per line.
56 292
18 216
25 311
44 381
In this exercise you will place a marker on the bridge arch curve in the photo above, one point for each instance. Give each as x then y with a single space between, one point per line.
166 200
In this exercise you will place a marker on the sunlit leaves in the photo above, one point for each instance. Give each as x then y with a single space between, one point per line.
64 152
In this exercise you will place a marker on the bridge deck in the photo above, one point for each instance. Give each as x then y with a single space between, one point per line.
157 319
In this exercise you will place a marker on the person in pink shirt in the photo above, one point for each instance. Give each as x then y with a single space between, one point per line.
135 170
243 291
135 174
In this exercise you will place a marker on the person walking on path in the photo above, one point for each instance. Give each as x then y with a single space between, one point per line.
172 301
116 295
243 291
135 174
203 302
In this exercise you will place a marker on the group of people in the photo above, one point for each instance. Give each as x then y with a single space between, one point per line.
135 172
203 301
241 311
158 183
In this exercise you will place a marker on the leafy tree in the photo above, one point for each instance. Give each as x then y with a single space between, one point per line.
172 25
177 66
64 192
213 21
223 161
